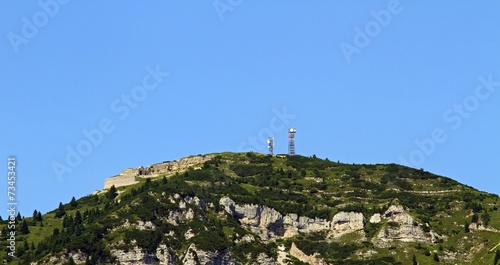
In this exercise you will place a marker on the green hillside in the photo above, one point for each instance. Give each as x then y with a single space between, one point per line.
249 208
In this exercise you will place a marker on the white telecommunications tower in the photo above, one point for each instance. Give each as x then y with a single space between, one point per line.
270 145
291 141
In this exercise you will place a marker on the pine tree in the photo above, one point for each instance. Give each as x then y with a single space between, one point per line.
474 218
60 211
35 215
24 228
485 218
112 193
5 232
19 218
39 217
73 203
78 218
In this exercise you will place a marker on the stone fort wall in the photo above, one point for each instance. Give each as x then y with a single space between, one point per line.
128 176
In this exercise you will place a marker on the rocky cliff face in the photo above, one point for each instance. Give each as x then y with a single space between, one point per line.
196 256
314 259
401 227
270 224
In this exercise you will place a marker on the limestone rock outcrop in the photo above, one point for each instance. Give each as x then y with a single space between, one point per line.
375 219
195 256
401 227
135 256
268 223
314 259
343 223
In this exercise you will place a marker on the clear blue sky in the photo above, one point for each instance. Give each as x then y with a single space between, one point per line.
362 83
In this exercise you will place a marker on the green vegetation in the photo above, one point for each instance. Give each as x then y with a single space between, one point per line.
307 186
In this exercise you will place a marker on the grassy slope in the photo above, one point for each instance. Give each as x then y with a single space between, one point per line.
317 188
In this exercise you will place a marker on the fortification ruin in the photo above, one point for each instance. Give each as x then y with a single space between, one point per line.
131 176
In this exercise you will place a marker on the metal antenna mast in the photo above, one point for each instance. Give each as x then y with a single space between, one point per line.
291 141
270 145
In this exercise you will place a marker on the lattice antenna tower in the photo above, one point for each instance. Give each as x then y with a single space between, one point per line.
291 141
270 145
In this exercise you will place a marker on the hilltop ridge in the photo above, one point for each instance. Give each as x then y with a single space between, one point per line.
250 208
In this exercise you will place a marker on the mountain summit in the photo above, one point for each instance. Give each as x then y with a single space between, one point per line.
250 208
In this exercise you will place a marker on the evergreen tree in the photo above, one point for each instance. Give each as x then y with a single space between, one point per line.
475 218
73 203
497 257
112 193
485 218
414 259
78 218
466 226
39 217
1 219
68 221
19 218
35 215
5 232
60 211
24 228
436 257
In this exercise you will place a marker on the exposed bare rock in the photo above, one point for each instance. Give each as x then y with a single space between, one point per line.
294 224
195 256
248 238
282 256
262 220
402 227
174 217
269 223
314 259
140 225
145 225
375 219
263 259
134 256
481 227
343 223
189 234
165 255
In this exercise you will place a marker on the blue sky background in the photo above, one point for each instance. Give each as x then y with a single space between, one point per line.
230 71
